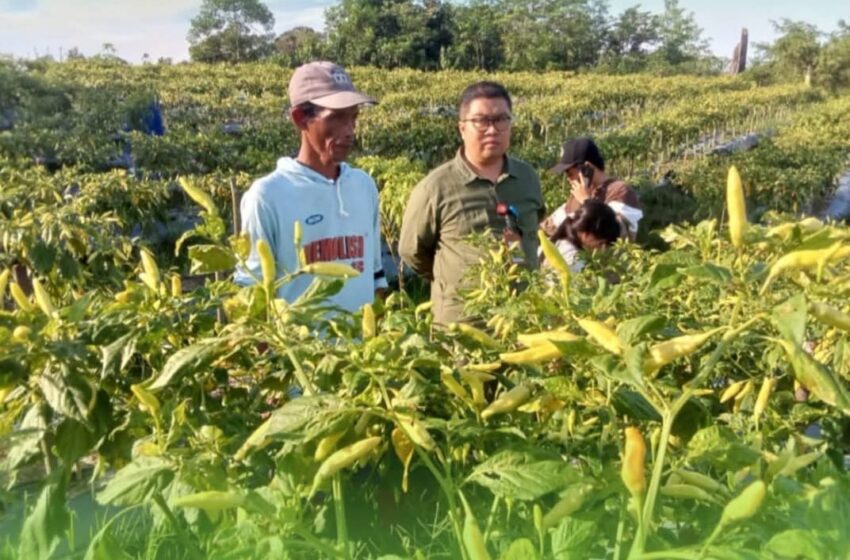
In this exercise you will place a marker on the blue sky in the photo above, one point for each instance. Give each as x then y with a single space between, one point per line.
135 27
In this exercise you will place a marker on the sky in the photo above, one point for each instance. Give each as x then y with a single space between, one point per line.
136 27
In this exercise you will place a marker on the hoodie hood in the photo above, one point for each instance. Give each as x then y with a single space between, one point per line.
304 176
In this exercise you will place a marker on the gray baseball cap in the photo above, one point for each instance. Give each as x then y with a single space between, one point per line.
325 84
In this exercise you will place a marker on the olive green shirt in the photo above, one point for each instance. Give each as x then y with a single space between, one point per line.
453 202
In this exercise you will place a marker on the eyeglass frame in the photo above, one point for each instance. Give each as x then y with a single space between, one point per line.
507 119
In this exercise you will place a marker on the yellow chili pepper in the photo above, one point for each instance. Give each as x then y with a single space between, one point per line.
199 196
604 335
830 316
732 390
764 395
369 324
665 352
554 258
176 285
534 339
211 500
805 259
508 401
327 444
148 399
634 455
267 264
4 280
416 431
570 503
475 334
21 299
343 458
745 505
151 270
331 269
297 234
404 450
42 298
544 352
736 207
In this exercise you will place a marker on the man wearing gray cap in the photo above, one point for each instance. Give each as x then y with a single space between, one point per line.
336 204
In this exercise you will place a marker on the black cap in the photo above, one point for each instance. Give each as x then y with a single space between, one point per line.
576 152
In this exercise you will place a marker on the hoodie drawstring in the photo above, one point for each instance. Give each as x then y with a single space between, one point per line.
342 211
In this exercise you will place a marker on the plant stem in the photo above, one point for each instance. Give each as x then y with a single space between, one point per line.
493 509
339 512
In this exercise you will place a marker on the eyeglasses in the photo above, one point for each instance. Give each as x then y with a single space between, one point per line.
482 124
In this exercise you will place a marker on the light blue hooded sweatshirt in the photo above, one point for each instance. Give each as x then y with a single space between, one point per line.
340 220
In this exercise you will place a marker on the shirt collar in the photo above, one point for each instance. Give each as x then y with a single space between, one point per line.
469 176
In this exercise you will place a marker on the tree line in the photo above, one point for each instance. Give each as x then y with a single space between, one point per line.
511 35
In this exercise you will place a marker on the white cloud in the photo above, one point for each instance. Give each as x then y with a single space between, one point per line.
133 27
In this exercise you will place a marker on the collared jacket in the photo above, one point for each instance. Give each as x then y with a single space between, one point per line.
453 202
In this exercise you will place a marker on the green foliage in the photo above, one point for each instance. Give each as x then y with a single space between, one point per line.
231 31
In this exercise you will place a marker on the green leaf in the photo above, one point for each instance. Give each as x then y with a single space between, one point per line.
523 475
664 276
790 319
520 549
45 525
633 330
798 544
307 418
68 393
73 440
709 272
207 259
187 359
634 405
719 447
104 546
118 354
42 256
572 538
137 481
577 349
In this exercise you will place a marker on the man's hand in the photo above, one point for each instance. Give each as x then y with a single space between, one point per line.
580 189
380 293
511 236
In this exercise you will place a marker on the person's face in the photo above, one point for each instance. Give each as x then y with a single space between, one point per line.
590 242
485 127
575 177
330 132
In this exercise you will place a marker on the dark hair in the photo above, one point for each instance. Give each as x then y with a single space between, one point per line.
309 109
486 90
593 217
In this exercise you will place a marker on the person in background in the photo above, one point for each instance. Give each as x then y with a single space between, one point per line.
584 167
481 188
593 226
336 204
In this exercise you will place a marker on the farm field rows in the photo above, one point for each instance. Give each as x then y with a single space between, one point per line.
695 408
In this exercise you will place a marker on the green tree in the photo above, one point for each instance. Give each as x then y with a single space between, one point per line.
680 39
631 35
795 53
300 45
833 62
389 33
553 34
231 31
477 36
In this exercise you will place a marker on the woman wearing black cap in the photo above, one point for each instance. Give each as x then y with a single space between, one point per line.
584 167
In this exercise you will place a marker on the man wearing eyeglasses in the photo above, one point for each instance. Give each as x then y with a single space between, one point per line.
481 188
